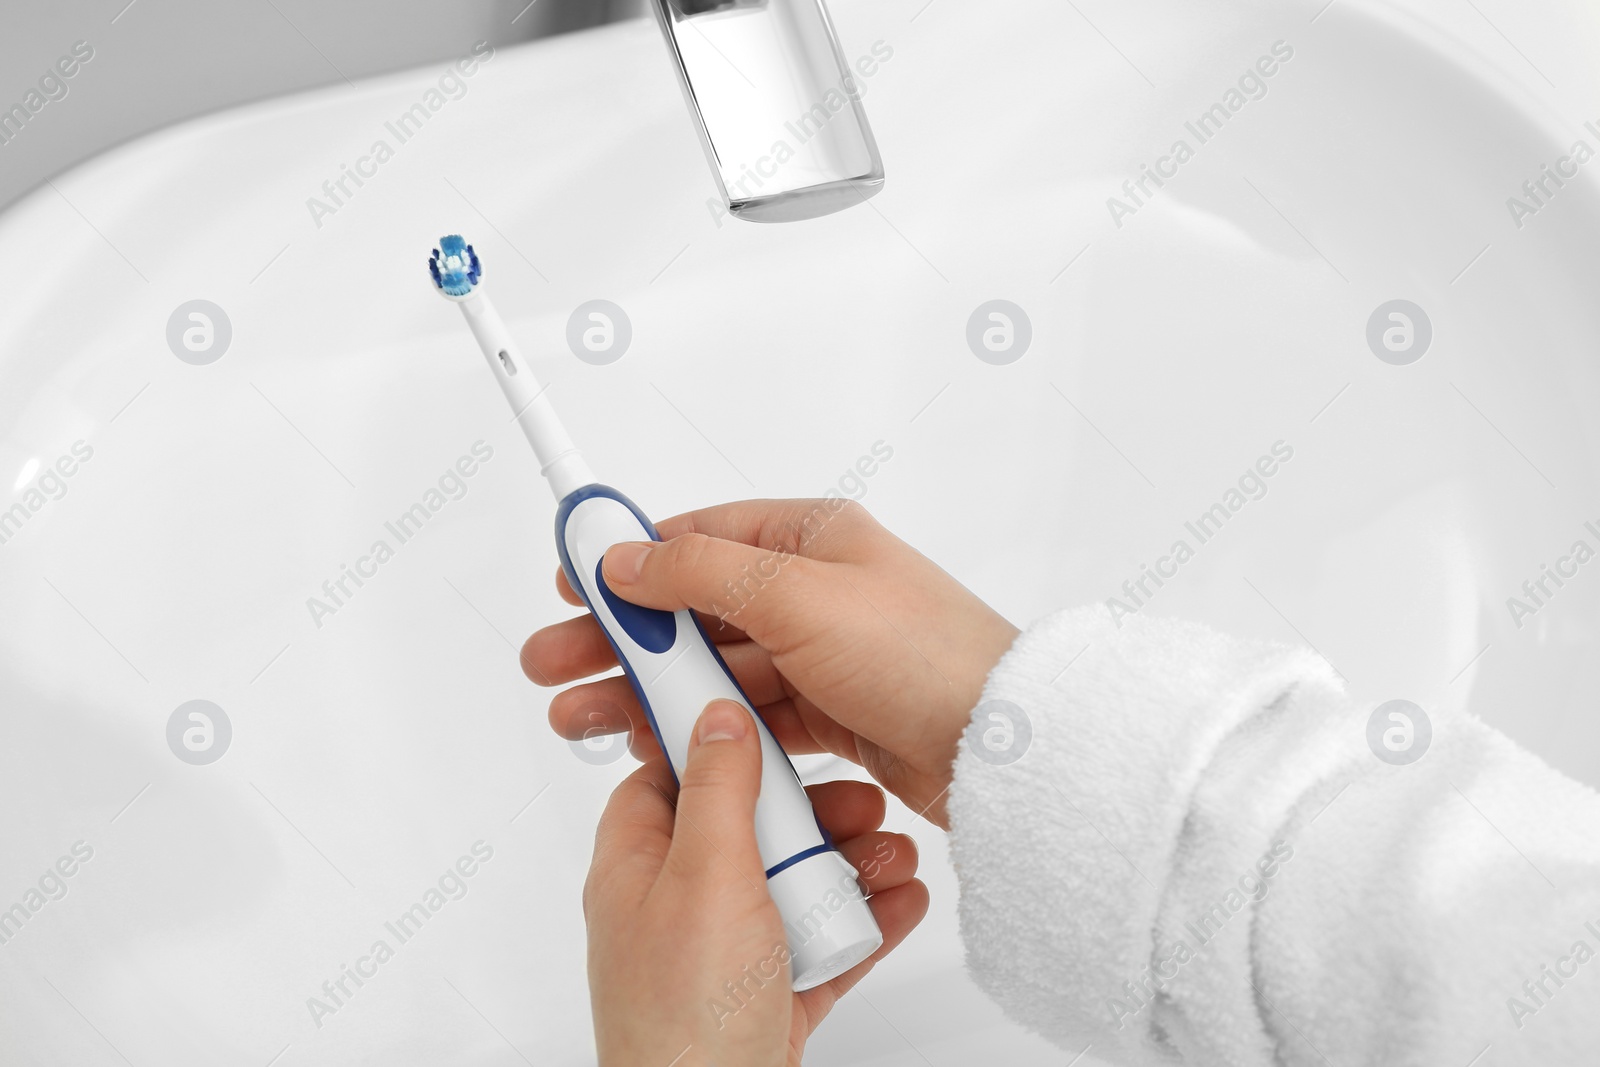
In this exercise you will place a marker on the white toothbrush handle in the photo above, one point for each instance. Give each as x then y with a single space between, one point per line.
676 670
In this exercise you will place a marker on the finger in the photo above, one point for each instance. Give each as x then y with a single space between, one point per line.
762 591
718 630
882 860
898 911
573 648
577 647
633 837
610 706
564 589
595 709
824 529
751 665
601 710
848 809
714 834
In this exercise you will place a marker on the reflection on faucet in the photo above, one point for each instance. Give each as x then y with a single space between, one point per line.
701 7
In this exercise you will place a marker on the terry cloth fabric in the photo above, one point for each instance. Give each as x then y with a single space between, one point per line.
1176 846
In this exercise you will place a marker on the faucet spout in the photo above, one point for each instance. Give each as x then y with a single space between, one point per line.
777 107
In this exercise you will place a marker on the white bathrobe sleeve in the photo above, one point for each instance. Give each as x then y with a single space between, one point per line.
1193 856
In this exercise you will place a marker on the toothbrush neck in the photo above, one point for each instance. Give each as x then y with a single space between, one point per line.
559 460
567 474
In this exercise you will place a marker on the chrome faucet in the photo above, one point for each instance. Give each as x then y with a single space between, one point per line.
777 108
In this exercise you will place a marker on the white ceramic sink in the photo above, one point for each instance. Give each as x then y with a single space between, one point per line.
1229 312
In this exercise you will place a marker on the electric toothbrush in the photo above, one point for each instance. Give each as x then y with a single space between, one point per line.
674 668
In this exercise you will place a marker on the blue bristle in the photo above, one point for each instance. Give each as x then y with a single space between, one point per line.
454 266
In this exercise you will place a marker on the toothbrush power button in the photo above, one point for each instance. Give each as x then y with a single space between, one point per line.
652 629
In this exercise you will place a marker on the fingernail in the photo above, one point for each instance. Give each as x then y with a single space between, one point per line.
626 560
723 720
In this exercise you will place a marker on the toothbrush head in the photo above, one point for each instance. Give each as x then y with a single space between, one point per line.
454 267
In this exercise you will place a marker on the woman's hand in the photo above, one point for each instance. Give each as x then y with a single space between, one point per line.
688 961
848 640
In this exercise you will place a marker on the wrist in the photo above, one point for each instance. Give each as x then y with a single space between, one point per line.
954 720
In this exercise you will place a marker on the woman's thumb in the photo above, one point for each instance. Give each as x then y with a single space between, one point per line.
714 835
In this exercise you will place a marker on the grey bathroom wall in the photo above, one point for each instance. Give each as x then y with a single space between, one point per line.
155 62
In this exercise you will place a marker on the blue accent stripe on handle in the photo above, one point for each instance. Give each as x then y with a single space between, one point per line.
564 511
814 850
652 630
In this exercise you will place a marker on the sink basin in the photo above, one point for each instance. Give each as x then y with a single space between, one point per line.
380 736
